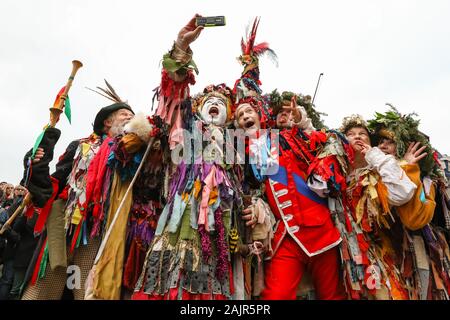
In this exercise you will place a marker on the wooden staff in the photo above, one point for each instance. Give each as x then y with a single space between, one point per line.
54 118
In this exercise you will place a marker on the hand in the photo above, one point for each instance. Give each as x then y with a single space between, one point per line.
296 115
189 34
257 247
364 147
38 155
248 215
413 155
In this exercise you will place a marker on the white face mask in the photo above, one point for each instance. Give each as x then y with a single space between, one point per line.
214 111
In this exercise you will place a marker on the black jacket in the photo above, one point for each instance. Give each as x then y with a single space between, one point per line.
20 239
39 184
64 165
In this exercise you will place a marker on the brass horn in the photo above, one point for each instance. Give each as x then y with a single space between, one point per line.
54 117
56 111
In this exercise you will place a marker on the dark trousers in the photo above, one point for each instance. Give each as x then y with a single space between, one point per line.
19 276
6 280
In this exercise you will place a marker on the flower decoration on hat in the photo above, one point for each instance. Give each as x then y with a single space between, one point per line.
353 121
220 91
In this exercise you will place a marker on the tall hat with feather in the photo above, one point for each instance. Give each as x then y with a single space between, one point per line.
404 129
104 112
246 88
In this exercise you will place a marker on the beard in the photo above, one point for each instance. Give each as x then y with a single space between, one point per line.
118 128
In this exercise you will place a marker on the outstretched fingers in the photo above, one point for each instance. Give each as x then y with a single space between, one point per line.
411 145
294 102
419 154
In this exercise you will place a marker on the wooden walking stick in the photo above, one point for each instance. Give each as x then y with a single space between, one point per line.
55 112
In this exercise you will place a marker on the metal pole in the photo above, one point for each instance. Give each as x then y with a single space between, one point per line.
317 86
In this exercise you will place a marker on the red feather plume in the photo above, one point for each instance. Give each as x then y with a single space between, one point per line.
248 46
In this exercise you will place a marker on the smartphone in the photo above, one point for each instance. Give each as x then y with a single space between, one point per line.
210 21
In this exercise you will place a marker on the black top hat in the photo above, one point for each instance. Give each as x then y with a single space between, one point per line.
103 114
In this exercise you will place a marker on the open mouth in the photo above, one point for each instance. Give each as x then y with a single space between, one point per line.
249 124
214 111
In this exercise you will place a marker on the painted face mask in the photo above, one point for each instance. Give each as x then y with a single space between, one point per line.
214 111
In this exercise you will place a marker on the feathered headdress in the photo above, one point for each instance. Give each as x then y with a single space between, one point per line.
246 88
404 129
104 112
248 84
108 93
251 52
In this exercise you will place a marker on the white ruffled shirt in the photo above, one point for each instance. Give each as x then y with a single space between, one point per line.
305 123
400 188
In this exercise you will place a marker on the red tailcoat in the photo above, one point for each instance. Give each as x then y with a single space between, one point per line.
299 211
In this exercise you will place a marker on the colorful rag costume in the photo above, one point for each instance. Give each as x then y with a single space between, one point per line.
190 257
422 243
48 282
110 176
370 255
196 250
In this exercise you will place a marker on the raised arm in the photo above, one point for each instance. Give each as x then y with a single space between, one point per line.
400 187
178 62
177 75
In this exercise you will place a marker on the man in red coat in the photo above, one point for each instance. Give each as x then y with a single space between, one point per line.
305 237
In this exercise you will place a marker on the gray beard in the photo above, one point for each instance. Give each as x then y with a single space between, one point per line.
117 130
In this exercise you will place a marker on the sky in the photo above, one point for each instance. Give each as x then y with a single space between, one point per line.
371 53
